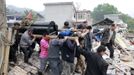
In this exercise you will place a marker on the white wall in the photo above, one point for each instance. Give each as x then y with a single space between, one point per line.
84 16
59 13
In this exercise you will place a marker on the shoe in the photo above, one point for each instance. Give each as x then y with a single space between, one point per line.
29 63
112 57
40 73
12 64
77 71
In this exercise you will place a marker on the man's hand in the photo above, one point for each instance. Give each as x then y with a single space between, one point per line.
84 33
77 41
33 39
74 30
66 37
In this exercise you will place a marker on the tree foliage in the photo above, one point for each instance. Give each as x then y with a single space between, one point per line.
128 19
103 9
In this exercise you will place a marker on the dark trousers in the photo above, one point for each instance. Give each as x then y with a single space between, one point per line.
110 47
12 54
27 53
55 66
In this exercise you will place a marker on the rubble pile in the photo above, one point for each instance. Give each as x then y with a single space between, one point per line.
123 62
22 68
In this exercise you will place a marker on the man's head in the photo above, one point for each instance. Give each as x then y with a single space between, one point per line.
52 23
66 24
30 31
113 27
45 36
89 28
101 50
85 23
80 26
16 25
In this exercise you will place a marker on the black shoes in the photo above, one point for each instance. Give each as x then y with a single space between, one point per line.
40 73
29 63
76 71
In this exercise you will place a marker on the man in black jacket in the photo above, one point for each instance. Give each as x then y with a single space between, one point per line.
68 54
96 65
15 42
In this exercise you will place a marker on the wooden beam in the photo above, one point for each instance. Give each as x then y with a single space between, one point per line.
55 36
3 29
52 36
6 54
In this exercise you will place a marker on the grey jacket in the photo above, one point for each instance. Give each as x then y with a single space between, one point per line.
26 40
54 48
105 36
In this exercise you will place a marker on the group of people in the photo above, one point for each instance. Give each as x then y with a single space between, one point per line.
59 53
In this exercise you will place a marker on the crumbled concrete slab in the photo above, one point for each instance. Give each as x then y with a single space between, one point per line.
17 71
34 72
28 69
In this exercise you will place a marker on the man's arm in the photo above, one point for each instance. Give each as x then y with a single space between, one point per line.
82 51
84 34
103 66
28 40
100 32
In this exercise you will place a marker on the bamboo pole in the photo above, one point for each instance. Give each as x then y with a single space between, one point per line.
52 36
55 36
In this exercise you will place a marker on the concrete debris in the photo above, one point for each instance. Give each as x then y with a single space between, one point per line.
17 71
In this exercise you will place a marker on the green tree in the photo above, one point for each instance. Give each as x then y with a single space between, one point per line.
128 19
103 9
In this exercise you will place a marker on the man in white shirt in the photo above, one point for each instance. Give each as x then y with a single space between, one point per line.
108 38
